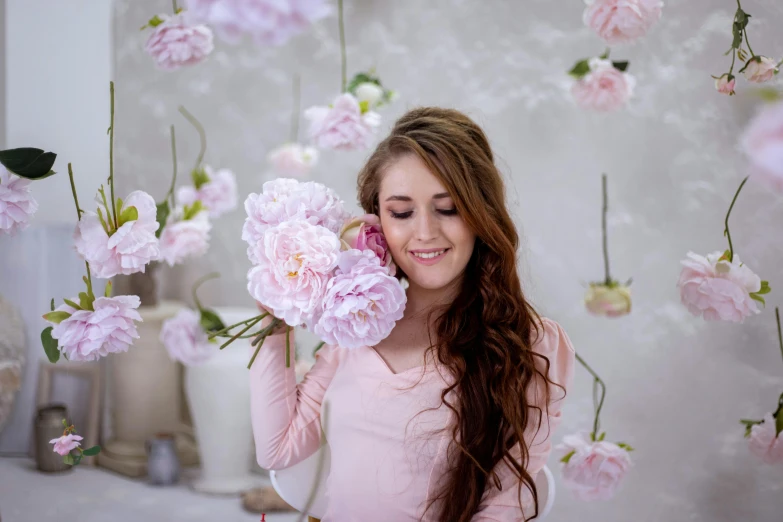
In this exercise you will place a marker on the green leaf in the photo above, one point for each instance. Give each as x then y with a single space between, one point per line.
28 162
568 456
50 345
580 69
103 222
765 289
51 305
210 321
56 317
621 66
364 106
161 216
779 423
737 33
68 459
758 298
72 304
129 214
626 447
361 78
154 22
107 290
119 205
602 437
90 452
200 177
85 301
192 211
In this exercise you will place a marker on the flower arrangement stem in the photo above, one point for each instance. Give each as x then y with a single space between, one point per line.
344 68
295 113
250 325
726 222
111 158
174 165
605 208
79 218
201 134
597 402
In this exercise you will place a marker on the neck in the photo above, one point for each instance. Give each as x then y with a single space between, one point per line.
422 300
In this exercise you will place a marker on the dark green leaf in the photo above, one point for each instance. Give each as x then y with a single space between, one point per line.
52 304
621 66
28 162
56 317
779 423
210 321
161 216
77 459
92 451
50 345
68 459
568 456
580 69
361 78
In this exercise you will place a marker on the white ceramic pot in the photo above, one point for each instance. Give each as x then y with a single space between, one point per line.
218 392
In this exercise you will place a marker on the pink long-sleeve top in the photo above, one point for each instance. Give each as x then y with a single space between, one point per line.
387 461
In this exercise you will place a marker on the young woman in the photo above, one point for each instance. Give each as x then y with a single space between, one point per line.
450 418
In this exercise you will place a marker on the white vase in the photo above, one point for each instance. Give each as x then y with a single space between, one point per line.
218 392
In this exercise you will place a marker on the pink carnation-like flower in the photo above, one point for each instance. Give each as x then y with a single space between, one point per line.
185 339
365 233
268 22
362 302
88 335
605 88
295 261
725 84
293 159
129 249
765 442
762 142
760 69
285 199
342 126
621 21
596 469
219 194
185 238
17 205
178 42
65 444
717 289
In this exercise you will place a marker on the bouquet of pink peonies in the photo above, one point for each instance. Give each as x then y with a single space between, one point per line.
314 266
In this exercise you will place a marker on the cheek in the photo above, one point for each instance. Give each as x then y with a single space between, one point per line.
461 237
395 233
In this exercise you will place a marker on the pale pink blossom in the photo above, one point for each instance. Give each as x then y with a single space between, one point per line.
184 238
17 205
762 142
718 289
129 249
185 339
760 69
765 442
218 195
608 301
293 159
65 444
268 22
88 335
621 21
725 84
605 88
362 302
285 199
178 42
596 469
342 126
365 233
295 261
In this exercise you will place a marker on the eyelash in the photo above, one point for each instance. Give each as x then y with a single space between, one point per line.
405 215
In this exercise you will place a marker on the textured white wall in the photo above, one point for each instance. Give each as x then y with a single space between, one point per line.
677 385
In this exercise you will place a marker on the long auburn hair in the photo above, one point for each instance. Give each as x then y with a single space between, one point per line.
484 336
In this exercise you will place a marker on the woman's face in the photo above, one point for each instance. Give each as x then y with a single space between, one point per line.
429 241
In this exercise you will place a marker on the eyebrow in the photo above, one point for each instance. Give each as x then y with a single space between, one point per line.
440 195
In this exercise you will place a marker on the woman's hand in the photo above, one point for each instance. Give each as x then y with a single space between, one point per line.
266 321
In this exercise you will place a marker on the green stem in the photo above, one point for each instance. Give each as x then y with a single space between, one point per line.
198 283
174 162
747 42
605 208
250 325
780 335
287 348
295 112
174 6
318 347
733 58
726 230
223 332
259 340
342 46
111 158
79 218
597 404
201 134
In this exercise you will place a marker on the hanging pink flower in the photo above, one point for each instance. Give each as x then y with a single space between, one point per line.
185 339
362 302
621 21
594 470
608 300
765 442
365 233
293 159
268 22
762 142
65 444
129 248
343 125
717 289
725 84
760 69
218 193
87 335
605 88
177 42
17 205
185 236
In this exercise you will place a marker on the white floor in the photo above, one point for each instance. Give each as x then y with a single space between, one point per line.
87 494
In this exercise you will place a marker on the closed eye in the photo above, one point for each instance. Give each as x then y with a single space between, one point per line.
401 215
448 211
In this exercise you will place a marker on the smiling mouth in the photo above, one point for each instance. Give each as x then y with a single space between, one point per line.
432 254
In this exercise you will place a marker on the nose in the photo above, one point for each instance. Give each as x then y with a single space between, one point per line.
426 227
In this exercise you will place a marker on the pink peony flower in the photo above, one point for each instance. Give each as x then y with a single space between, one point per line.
184 238
608 301
295 261
725 84
293 159
365 233
760 69
595 469
604 88
17 205
717 289
268 22
178 42
65 444
362 302
185 339
218 195
765 442
342 126
621 21
288 199
88 335
129 249
762 141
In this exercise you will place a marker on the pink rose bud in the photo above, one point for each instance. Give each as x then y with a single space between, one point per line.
760 69
725 84
608 301
365 233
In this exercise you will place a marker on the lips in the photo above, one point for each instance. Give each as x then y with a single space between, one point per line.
428 256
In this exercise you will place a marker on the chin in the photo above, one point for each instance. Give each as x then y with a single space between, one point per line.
429 281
